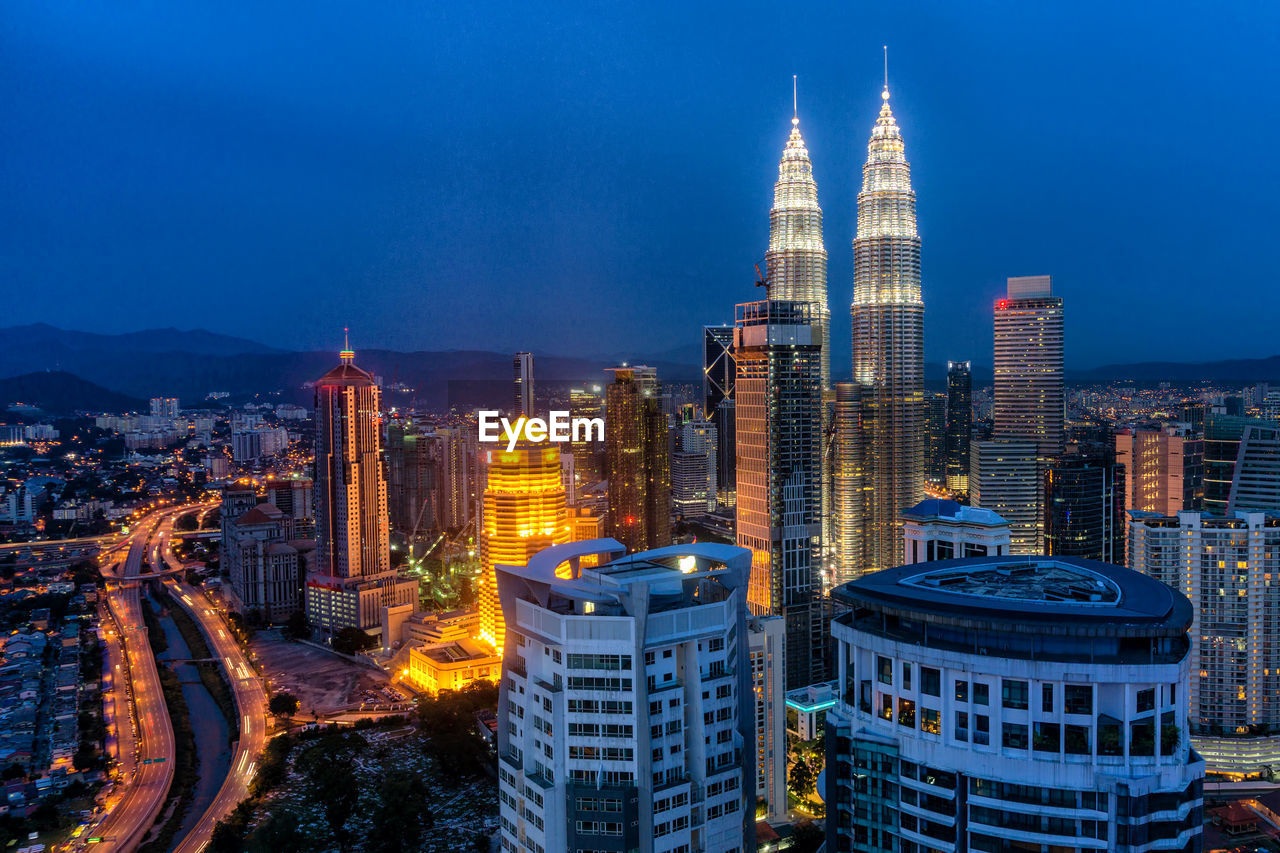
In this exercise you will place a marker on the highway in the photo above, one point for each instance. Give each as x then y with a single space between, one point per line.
144 731
246 686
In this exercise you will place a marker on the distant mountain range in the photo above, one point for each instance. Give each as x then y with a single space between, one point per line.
57 392
190 364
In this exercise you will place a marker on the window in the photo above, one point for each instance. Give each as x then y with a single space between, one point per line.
981 729
930 721
962 691
886 706
1146 700
906 675
930 681
1046 698
1013 694
962 725
1013 736
907 713
1077 699
981 693
1076 740
1048 737
884 670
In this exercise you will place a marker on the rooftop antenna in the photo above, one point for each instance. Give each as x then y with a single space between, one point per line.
795 108
886 69
347 355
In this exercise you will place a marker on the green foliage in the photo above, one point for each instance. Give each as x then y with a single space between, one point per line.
448 721
350 641
328 768
801 780
807 837
272 766
279 833
401 817
297 627
283 704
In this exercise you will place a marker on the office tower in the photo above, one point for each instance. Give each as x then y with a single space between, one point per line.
588 454
1001 703
164 407
1028 365
945 530
458 470
779 511
353 579
626 712
935 439
1084 513
267 562
693 467
888 338
1255 483
719 372
765 638
522 368
1004 477
1227 566
1164 468
412 491
850 486
524 513
959 425
638 460
295 497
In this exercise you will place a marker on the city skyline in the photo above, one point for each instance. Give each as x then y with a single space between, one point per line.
427 233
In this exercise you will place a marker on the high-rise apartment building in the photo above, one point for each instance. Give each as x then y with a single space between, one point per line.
888 338
765 638
719 372
588 454
1255 483
1002 703
1164 468
779 510
522 369
1004 477
851 491
1029 396
1228 567
165 407
413 494
626 708
524 513
959 425
638 460
353 579
693 467
1084 513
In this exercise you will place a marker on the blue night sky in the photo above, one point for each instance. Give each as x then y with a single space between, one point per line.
595 178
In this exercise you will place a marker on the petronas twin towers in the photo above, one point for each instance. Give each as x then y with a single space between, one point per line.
873 453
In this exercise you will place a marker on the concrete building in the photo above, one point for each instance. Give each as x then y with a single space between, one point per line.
719 373
765 638
637 459
1228 567
693 467
1007 703
267 563
625 709
942 530
1164 468
522 374
1005 477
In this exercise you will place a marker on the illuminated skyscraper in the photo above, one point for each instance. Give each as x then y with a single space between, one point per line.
353 580
888 338
719 372
638 460
522 368
851 494
524 512
779 510
1028 365
959 424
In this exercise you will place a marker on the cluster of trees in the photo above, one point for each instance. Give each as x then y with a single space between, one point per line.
448 722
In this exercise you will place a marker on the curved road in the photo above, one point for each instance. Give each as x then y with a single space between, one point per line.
146 755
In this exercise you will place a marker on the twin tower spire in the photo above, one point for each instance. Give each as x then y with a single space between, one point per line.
887 314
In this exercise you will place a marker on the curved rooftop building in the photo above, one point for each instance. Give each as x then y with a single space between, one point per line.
1007 703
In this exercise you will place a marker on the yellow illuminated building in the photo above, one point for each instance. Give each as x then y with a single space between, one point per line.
524 512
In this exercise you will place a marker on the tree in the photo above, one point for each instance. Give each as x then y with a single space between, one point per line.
283 704
186 522
328 769
801 780
297 627
807 837
402 817
279 833
350 641
448 721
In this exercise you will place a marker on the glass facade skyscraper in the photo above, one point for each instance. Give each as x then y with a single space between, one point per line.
959 424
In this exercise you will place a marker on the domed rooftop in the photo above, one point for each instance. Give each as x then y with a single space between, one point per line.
347 373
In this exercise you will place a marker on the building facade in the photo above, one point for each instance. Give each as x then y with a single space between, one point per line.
779 508
626 712
693 467
1084 513
1004 477
1227 566
1164 468
959 425
1001 703
943 530
888 338
1028 392
719 372
638 459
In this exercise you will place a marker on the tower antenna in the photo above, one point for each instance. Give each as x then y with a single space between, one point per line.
886 67
795 104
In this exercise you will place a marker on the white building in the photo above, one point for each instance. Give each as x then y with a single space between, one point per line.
764 640
693 469
625 709
1228 568
942 530
1008 703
